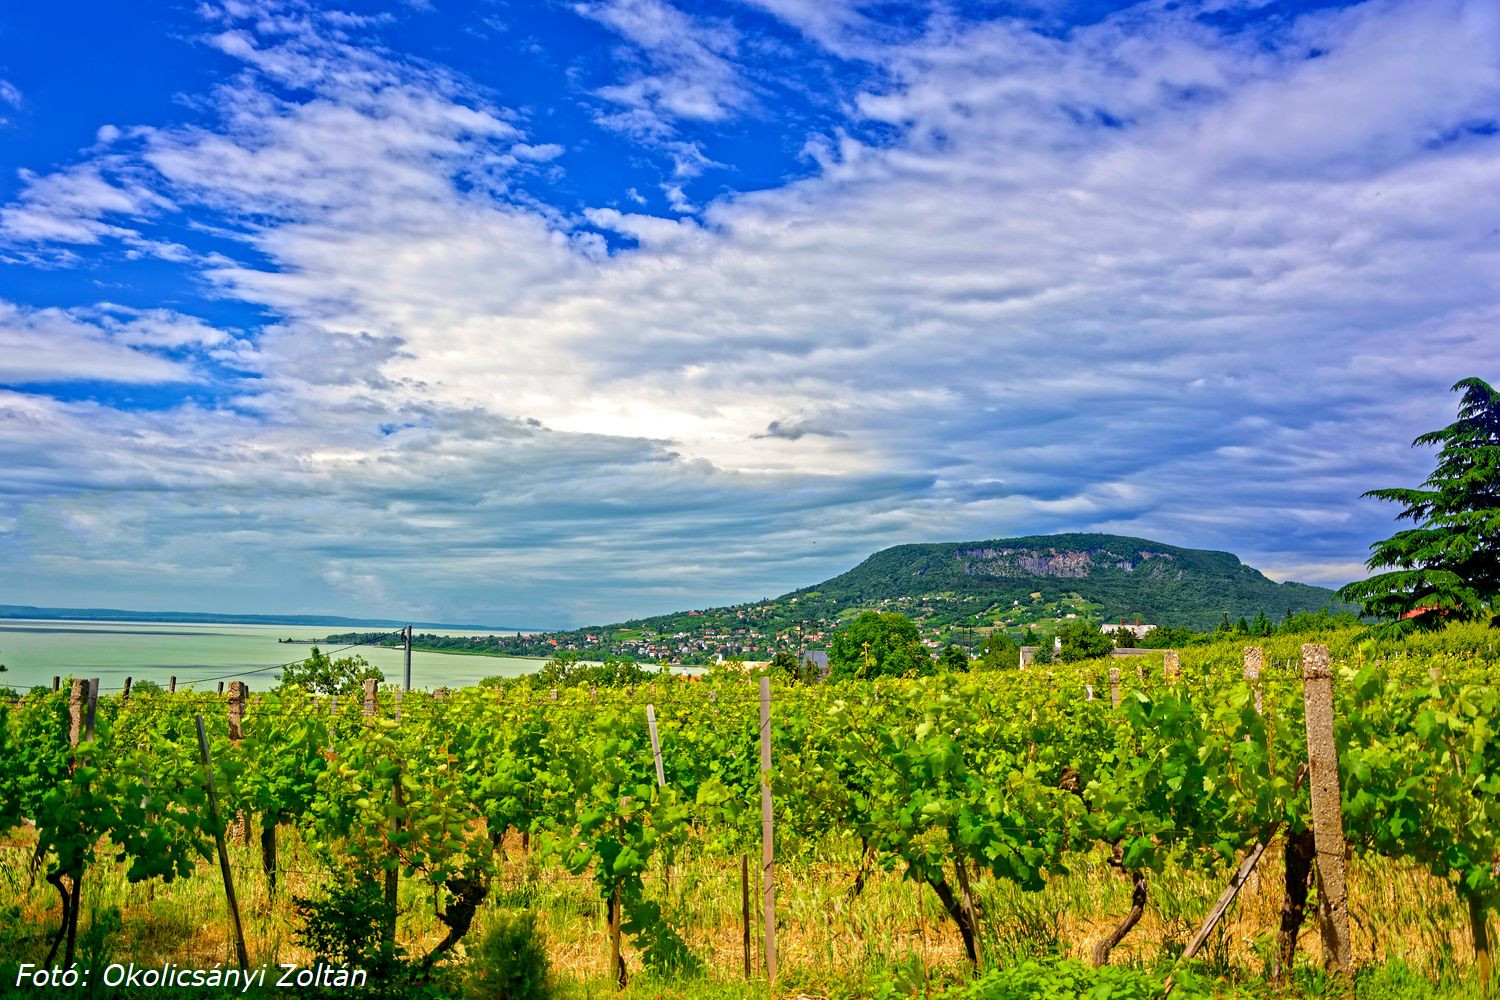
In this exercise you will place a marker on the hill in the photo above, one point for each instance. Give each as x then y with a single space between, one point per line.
1113 575
956 591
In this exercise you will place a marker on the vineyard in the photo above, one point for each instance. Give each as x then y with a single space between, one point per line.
1205 823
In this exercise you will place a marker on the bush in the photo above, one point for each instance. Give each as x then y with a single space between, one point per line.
1069 979
344 925
510 961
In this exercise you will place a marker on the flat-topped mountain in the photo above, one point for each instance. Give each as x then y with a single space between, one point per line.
955 591
1118 576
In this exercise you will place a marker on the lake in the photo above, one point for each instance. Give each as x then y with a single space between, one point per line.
34 651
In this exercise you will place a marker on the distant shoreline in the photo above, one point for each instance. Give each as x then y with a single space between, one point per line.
22 612
426 649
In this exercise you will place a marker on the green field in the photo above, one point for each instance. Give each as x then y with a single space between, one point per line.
972 835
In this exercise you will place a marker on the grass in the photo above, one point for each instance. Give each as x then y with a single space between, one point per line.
1410 937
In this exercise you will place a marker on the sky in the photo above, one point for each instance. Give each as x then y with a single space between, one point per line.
554 313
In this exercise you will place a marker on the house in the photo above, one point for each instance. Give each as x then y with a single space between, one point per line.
1138 630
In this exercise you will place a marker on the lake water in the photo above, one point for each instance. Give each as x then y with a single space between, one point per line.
34 651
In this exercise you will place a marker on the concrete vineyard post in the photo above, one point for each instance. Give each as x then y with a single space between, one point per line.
77 696
91 710
237 697
1255 661
661 777
1114 686
406 659
1327 811
371 687
767 834
213 811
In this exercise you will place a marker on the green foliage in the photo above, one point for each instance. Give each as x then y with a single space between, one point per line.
1070 979
568 670
321 675
1316 622
1262 625
1001 652
509 962
784 665
343 924
878 644
953 659
1448 566
1082 640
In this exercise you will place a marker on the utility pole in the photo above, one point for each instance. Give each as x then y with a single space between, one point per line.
407 631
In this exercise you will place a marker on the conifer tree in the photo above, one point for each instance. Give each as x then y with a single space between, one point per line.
1447 567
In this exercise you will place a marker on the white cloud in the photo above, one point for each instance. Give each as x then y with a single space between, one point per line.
71 206
691 74
1142 278
50 345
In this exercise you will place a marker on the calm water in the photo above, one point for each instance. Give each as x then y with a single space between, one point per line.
34 651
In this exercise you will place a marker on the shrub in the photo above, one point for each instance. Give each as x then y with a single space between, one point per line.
510 961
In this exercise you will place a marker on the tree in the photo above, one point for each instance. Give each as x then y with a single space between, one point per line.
1167 637
1000 652
878 644
1447 568
1082 640
784 664
1262 625
953 659
322 675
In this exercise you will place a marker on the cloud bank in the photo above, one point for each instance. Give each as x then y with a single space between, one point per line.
1158 274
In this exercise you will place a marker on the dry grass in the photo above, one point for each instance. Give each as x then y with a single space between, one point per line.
829 942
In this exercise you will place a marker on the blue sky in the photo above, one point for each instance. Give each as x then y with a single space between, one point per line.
556 313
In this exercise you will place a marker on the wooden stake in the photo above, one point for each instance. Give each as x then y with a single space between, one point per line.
1241 876
56 683
616 959
172 684
745 909
213 812
767 834
1480 931
93 707
1327 811
371 687
393 873
1170 668
125 694
79 715
1114 686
